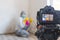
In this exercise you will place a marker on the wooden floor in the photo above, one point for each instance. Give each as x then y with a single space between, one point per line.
32 37
14 37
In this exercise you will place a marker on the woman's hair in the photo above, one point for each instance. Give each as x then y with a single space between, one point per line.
22 13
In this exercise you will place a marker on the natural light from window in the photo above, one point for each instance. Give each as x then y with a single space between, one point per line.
54 3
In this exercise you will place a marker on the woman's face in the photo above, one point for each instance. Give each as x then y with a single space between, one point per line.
23 15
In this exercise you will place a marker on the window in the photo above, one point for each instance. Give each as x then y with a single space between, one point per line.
54 3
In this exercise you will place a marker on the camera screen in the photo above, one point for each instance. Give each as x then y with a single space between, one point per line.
47 17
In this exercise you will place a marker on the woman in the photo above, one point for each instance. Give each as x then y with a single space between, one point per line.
23 29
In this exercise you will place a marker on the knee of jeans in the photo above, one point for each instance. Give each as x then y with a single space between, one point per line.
25 32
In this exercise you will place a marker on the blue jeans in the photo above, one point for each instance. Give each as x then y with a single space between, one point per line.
22 33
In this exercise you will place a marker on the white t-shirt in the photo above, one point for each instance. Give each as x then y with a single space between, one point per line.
22 25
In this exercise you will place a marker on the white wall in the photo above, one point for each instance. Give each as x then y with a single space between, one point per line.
22 5
35 6
9 12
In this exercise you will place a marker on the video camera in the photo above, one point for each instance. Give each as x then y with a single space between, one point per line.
48 18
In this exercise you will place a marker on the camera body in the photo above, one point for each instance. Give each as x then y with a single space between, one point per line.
48 18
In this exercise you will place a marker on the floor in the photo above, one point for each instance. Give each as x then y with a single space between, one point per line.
32 37
14 37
